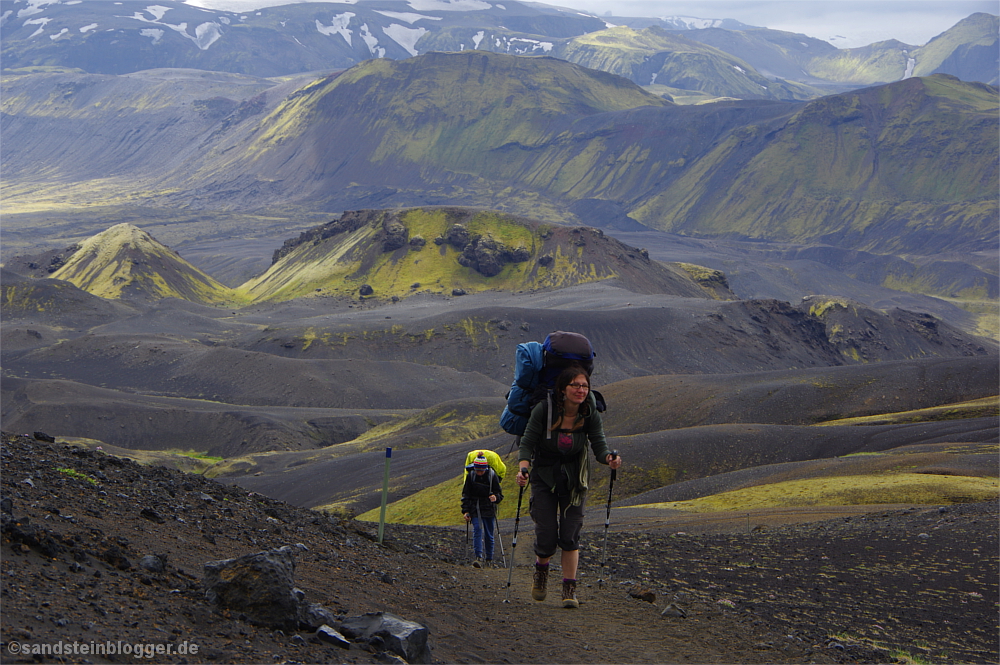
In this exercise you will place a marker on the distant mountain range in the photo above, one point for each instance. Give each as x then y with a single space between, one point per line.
910 166
680 57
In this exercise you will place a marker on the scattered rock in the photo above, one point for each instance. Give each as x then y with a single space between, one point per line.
673 610
259 585
404 638
153 563
395 234
643 594
331 636
152 515
457 236
314 615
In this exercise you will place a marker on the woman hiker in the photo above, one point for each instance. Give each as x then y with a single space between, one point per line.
480 495
560 475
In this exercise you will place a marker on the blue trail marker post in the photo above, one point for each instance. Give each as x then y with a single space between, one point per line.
385 495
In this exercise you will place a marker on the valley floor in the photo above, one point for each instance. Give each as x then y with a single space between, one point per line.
914 584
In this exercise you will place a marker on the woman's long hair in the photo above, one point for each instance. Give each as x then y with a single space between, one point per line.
564 379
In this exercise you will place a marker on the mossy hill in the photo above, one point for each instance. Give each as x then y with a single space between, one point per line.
387 255
909 167
656 57
853 170
125 261
440 126
967 50
906 167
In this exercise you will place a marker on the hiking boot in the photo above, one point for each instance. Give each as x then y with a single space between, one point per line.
569 594
539 582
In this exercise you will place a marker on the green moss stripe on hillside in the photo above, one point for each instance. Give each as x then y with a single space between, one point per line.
440 505
978 408
902 488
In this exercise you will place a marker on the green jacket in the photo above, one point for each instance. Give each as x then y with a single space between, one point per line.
538 446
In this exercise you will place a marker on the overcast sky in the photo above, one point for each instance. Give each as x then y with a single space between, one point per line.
843 23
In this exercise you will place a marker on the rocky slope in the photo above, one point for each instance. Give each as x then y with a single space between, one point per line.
100 550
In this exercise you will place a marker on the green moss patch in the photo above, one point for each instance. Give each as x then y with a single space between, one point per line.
902 488
977 408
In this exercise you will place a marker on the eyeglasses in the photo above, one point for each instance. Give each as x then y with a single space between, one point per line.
579 386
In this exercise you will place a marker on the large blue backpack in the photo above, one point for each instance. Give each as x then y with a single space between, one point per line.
536 367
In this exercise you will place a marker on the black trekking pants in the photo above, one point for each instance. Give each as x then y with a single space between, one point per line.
557 523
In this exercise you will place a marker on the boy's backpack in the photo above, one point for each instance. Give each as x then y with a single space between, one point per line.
536 368
496 463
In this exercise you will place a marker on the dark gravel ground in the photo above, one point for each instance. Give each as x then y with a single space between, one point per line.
903 585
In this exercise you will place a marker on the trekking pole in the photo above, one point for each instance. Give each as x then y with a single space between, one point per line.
499 539
607 522
513 545
482 529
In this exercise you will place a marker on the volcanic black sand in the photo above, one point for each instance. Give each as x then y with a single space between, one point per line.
888 586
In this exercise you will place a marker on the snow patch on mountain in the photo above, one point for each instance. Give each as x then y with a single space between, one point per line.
407 16
448 5
372 42
59 34
40 22
155 33
339 26
691 23
405 37
204 36
35 7
158 11
88 28
513 45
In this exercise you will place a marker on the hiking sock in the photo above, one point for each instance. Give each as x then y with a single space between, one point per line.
540 581
569 593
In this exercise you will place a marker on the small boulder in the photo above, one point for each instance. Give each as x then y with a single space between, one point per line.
404 638
643 594
395 235
331 636
673 610
153 563
259 585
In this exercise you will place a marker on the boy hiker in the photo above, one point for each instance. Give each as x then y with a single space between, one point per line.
480 495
